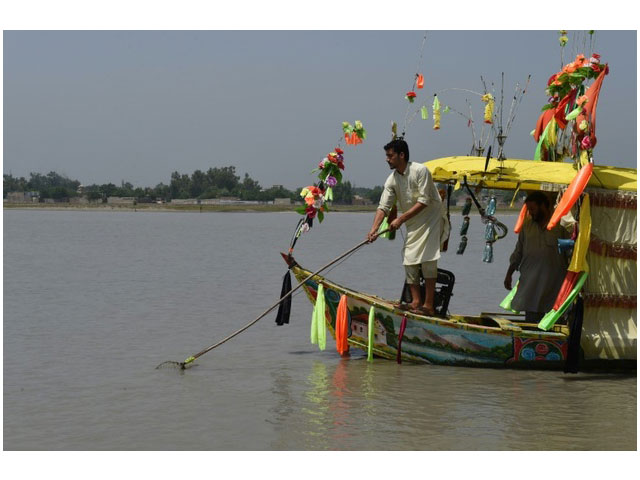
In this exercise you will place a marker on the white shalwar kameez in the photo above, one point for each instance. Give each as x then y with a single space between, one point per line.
422 243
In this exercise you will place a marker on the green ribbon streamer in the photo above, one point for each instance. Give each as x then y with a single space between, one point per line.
371 328
318 328
543 139
314 323
506 303
552 316
573 114
424 111
328 195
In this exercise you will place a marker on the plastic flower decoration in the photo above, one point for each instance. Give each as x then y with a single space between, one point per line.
314 202
563 38
488 109
354 134
572 76
411 96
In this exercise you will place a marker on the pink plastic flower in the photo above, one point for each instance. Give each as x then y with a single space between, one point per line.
586 142
331 181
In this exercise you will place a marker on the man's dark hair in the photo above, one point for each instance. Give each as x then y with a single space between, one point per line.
538 198
398 146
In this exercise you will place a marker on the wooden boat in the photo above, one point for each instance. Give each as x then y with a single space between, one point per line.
609 335
485 340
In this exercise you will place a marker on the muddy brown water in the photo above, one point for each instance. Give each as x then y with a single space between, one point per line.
93 301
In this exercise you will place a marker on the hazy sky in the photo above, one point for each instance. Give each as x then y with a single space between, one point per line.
107 106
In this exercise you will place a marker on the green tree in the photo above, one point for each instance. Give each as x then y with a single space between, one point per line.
199 183
343 194
250 189
374 194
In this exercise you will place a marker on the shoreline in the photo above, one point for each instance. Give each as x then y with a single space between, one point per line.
208 208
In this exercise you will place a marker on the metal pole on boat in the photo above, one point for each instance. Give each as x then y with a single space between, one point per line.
189 360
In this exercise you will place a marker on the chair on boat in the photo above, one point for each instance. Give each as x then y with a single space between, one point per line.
443 293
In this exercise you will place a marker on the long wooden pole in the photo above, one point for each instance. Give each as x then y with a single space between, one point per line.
237 332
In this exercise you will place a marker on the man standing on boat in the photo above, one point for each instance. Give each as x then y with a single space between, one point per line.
410 186
542 267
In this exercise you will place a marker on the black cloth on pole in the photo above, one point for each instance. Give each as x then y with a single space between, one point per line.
284 310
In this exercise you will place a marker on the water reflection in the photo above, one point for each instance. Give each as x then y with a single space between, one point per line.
356 405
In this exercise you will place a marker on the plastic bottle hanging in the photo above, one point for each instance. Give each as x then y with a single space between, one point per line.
490 232
487 256
465 226
467 207
491 208
462 246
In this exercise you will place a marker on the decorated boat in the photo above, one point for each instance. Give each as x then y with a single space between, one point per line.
608 338
593 323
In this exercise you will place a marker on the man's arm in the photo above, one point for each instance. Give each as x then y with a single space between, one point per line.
514 261
508 277
412 212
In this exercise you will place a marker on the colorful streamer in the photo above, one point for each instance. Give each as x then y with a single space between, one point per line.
506 303
318 328
342 324
553 315
371 333
579 258
521 217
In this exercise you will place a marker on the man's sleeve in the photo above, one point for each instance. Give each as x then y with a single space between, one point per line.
423 176
388 197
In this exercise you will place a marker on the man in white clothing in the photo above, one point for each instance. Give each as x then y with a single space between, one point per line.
410 186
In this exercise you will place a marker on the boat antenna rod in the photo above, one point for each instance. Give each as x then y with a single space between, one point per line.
183 365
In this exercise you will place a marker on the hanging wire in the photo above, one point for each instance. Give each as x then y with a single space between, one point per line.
419 62
517 105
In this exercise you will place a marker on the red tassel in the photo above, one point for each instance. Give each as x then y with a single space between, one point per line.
420 82
342 320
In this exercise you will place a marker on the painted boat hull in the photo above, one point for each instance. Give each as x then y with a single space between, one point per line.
475 341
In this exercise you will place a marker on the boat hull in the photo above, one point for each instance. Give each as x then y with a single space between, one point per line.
482 341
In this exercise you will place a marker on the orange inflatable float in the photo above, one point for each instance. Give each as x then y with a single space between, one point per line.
571 195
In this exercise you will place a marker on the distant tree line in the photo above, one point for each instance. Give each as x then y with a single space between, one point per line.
51 185
214 183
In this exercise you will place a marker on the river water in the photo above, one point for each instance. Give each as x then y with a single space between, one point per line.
94 300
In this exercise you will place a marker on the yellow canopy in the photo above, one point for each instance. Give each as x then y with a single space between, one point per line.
511 174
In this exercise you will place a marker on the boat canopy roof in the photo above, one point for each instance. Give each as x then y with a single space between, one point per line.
512 174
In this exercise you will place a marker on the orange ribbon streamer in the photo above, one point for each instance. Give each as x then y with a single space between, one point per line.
342 320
